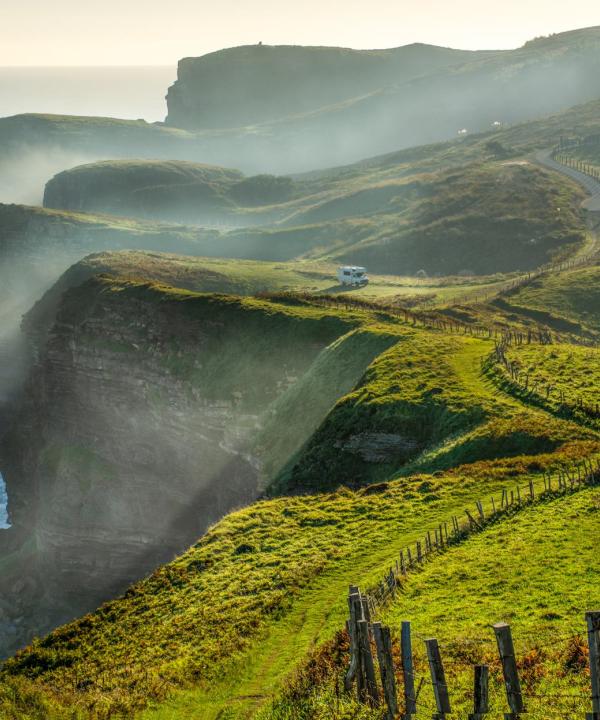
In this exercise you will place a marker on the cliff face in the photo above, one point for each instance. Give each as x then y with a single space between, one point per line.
260 83
137 431
325 106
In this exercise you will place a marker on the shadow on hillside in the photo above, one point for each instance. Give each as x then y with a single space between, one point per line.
337 289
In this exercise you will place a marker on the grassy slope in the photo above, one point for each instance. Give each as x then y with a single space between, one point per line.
80 131
572 369
427 390
168 190
556 543
588 153
447 222
493 217
246 277
433 207
279 569
42 229
572 296
557 377
460 593
396 178
249 277
237 585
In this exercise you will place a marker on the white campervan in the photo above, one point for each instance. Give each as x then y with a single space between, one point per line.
352 275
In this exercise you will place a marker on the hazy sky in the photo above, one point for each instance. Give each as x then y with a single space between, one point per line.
155 32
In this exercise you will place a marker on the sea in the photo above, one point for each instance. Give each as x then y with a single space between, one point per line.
121 92
4 524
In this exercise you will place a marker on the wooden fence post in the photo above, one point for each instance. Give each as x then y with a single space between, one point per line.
355 669
593 628
506 651
408 672
366 609
364 640
438 679
383 642
480 692
479 505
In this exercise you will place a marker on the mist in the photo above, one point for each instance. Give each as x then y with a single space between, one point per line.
24 176
22 282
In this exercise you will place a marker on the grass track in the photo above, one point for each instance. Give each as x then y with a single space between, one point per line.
320 610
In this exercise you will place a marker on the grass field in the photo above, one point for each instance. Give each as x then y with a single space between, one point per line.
250 277
460 593
216 632
571 369
570 299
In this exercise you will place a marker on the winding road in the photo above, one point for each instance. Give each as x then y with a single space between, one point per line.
544 157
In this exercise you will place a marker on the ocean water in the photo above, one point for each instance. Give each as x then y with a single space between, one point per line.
124 92
4 524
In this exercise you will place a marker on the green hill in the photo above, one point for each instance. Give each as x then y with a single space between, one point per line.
569 300
477 220
545 558
216 632
176 191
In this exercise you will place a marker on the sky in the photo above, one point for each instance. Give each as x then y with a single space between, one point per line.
155 32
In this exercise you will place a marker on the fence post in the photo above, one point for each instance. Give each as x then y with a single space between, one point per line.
366 609
593 628
506 651
438 679
383 642
480 510
480 692
355 669
408 672
371 691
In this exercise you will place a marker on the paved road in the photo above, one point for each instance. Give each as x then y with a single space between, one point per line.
589 183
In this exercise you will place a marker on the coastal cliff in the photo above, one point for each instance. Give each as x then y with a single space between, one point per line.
141 426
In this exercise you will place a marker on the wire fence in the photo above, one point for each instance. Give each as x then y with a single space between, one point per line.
365 631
